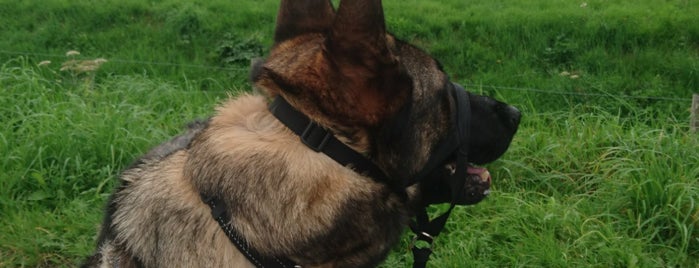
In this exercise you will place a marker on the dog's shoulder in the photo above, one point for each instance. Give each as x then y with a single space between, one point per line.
165 149
255 164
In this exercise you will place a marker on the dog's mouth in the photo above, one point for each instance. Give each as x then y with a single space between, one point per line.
476 184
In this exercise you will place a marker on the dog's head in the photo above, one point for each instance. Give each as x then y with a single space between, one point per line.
381 96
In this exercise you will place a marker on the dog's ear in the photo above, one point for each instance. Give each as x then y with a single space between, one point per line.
336 68
298 17
358 34
360 50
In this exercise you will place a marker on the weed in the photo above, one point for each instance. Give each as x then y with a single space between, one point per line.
81 70
561 52
234 51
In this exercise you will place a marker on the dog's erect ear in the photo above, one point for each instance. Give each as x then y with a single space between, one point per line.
360 52
337 68
358 34
298 17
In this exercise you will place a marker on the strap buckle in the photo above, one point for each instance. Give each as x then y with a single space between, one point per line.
315 136
423 240
421 246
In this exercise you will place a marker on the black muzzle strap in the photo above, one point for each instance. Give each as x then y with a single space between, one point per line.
454 141
425 229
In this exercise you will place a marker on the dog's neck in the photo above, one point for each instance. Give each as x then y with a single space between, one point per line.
323 140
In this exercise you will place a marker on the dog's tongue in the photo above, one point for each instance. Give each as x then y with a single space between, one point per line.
483 173
476 186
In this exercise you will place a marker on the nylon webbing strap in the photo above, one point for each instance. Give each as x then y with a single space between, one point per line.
321 140
426 230
218 211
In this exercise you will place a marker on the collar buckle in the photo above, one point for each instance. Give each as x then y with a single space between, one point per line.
315 137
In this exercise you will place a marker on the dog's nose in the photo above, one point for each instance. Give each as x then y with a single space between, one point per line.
514 114
509 114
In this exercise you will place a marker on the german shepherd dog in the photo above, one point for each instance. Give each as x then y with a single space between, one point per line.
386 100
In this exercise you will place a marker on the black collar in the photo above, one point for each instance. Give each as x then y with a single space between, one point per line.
321 140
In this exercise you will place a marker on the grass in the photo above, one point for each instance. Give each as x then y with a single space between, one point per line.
598 175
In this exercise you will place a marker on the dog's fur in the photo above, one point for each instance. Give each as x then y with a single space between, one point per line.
379 95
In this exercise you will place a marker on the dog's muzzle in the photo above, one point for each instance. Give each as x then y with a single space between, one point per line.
468 184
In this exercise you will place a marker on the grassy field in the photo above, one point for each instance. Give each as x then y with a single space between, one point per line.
603 172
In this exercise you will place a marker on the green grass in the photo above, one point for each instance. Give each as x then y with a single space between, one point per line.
591 180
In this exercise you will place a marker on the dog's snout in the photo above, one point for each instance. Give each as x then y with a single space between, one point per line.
509 113
514 114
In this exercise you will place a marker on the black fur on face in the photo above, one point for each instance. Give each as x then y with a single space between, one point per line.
493 124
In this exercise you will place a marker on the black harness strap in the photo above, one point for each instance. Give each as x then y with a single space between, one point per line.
218 211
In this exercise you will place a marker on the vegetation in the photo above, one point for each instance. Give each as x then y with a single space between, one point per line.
603 171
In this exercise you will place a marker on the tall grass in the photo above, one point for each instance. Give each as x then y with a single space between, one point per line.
63 146
588 181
